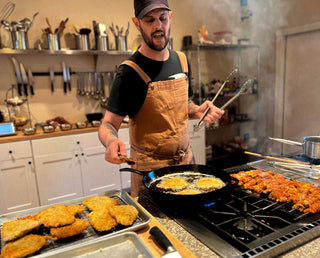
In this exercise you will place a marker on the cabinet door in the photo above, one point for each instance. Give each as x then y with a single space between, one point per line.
197 142
59 177
18 188
125 177
98 175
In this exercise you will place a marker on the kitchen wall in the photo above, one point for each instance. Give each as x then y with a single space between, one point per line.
189 15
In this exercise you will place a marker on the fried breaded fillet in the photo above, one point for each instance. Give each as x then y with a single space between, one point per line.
14 229
70 230
174 184
124 214
101 219
210 183
24 246
75 209
98 202
56 216
189 191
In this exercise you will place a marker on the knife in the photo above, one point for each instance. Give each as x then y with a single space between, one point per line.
31 80
165 243
24 79
18 75
69 77
52 78
65 78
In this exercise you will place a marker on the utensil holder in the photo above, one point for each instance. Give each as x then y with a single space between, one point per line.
53 41
102 43
121 43
19 40
83 42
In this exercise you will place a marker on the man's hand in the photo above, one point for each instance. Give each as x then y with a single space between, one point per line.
213 114
112 152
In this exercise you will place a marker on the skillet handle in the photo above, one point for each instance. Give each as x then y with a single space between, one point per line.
142 173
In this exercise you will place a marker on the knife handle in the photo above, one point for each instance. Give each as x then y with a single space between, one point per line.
69 86
31 90
52 87
25 89
65 87
19 89
161 238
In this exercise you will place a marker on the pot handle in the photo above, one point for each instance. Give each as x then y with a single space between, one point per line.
142 173
286 141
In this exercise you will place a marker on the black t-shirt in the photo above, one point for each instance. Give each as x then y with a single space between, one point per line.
129 91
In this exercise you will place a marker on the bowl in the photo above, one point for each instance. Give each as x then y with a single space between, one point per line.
96 123
48 129
81 125
94 116
65 127
29 131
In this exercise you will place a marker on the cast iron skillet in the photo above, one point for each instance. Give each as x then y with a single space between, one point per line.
150 176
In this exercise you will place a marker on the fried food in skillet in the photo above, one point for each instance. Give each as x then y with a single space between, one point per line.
101 219
124 214
70 230
56 216
188 191
209 183
14 229
174 184
24 246
98 202
75 209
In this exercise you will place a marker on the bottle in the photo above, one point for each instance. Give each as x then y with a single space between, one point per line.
246 20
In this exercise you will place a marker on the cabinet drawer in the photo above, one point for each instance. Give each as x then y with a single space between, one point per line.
54 145
15 150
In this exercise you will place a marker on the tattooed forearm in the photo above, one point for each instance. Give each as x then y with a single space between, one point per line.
113 134
192 108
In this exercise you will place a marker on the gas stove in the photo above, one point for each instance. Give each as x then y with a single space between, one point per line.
245 224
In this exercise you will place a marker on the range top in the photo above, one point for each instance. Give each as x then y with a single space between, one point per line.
246 224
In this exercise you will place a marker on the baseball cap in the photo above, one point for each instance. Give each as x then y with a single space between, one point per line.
142 7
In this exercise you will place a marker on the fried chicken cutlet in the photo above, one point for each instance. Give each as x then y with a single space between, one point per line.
174 184
75 209
24 246
98 202
210 183
124 214
56 216
101 220
14 229
70 230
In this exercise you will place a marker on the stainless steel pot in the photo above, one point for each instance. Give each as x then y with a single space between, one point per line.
310 145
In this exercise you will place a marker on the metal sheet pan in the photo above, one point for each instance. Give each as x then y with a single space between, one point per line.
127 244
90 233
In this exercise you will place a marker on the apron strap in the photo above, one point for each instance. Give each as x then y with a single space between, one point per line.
137 68
183 61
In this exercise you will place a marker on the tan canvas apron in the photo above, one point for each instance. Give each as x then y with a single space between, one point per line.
159 132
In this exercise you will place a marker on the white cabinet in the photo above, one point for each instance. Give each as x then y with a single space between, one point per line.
18 188
71 166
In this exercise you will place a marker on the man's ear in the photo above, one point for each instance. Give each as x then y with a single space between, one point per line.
136 22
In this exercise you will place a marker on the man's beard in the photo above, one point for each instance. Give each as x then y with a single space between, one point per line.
149 40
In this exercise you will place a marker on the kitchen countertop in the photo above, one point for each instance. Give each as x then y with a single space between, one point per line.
40 134
311 249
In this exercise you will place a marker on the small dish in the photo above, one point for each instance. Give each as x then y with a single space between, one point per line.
96 123
48 129
29 131
65 127
81 125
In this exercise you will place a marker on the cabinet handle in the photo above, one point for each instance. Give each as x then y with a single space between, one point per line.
10 151
29 162
82 154
76 155
78 142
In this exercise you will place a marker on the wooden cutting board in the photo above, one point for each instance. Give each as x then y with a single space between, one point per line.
154 248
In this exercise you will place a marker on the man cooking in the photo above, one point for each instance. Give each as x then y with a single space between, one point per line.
153 88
